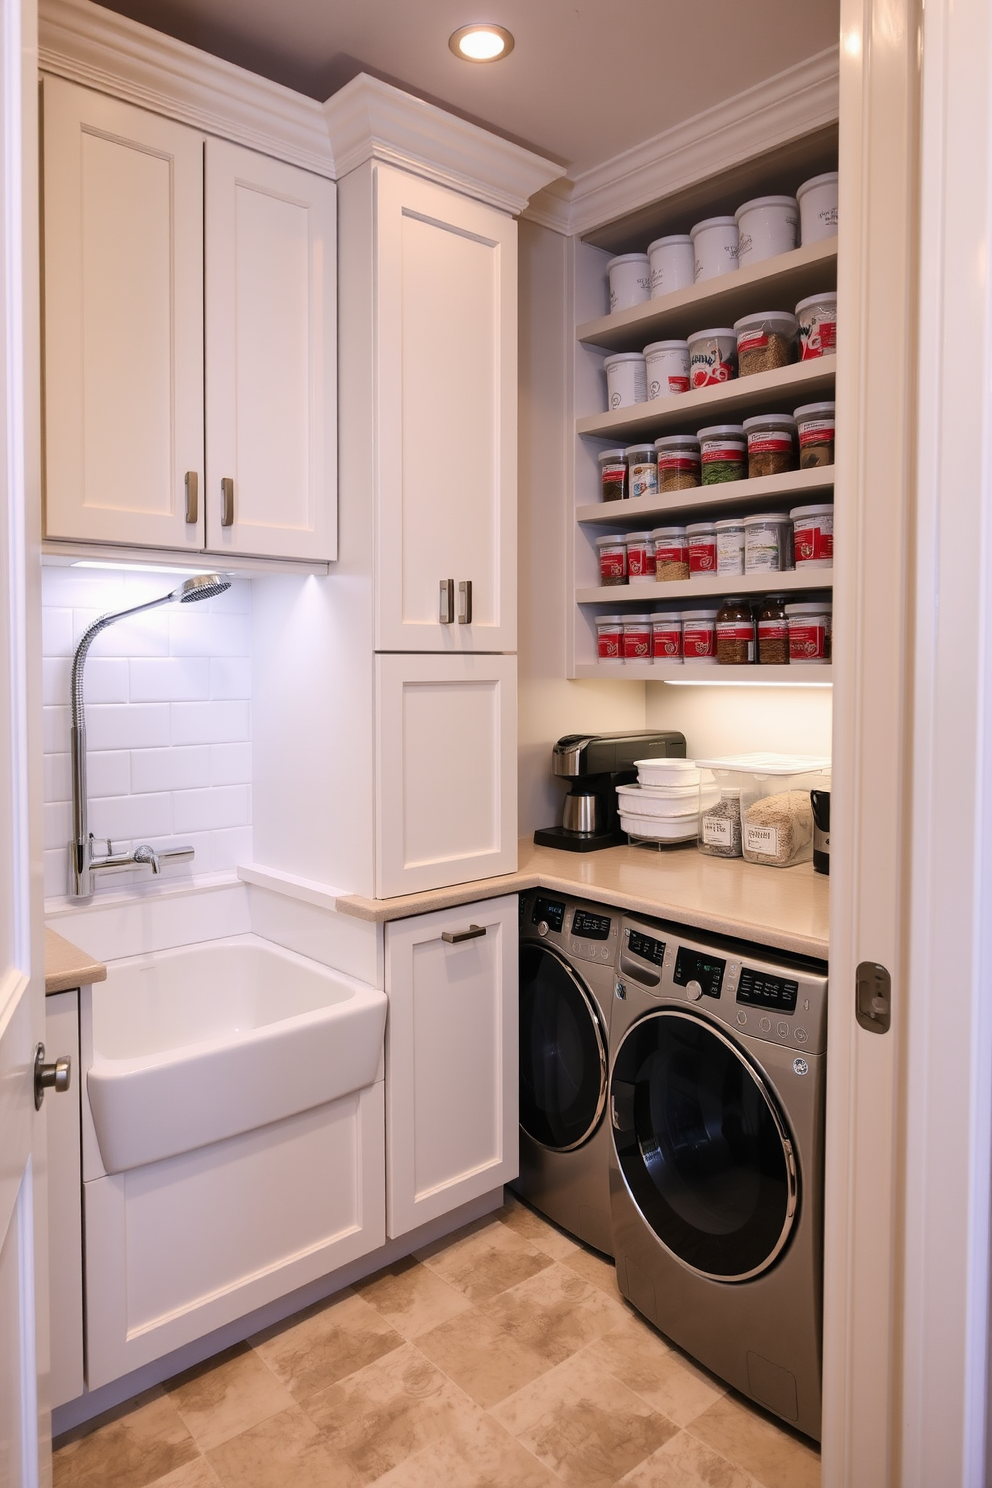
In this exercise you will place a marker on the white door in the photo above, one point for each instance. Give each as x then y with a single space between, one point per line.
123 369
446 770
451 1059
271 357
23 1428
445 433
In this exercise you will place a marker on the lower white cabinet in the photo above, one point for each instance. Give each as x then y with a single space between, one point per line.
65 1210
451 1059
446 770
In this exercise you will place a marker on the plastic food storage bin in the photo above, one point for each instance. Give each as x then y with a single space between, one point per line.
776 818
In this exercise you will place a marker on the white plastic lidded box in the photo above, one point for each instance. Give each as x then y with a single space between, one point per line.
626 379
630 281
817 199
667 772
714 247
767 226
776 818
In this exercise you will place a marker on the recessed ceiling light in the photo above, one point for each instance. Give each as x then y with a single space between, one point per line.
481 43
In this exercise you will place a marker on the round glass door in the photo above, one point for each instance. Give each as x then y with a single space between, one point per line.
562 1052
702 1146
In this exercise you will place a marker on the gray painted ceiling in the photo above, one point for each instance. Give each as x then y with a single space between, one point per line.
585 81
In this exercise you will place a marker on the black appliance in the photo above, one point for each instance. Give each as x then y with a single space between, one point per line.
596 764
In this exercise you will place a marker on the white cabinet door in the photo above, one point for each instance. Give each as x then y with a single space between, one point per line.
451 1059
270 357
446 770
446 389
65 1205
123 230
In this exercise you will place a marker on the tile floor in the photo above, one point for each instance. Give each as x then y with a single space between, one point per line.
501 1357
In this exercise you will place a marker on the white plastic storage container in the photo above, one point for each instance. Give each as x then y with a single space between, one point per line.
767 226
775 813
626 379
817 199
712 356
817 316
810 632
813 535
609 639
677 772
665 800
714 247
667 368
672 264
630 281
768 546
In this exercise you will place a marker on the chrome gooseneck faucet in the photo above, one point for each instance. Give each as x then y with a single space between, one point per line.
84 861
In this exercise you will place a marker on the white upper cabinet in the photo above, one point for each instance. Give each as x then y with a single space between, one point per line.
446 387
270 356
123 205
161 267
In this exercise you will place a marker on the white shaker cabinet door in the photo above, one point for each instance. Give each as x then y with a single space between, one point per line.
446 770
123 293
270 357
451 1059
446 390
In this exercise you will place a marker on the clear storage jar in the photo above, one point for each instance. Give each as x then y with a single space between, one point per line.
723 453
817 316
776 817
729 545
773 632
671 554
699 636
765 341
642 470
719 827
815 422
609 638
767 543
712 357
637 637
735 632
678 462
666 637
640 558
771 444
701 537
810 632
613 474
813 535
612 555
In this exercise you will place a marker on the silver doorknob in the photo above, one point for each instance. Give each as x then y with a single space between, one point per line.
693 990
57 1076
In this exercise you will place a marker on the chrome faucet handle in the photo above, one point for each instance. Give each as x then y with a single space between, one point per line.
146 854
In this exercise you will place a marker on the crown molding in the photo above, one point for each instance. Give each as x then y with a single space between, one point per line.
371 120
100 49
782 108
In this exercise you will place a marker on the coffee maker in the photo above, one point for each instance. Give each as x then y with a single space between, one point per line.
596 764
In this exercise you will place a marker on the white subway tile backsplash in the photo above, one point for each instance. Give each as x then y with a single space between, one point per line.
170 679
210 723
168 718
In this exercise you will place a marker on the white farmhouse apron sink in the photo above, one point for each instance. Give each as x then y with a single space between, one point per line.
194 1045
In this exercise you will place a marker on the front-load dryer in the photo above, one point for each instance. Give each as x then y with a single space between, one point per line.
716 1110
568 951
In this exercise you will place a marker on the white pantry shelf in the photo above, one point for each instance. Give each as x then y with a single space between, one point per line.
800 487
773 284
665 671
792 580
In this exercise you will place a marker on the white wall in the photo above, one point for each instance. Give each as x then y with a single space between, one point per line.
722 720
168 717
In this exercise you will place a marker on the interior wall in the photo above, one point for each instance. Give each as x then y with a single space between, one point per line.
723 720
548 705
168 718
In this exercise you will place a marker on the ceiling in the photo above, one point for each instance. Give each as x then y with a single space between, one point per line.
585 81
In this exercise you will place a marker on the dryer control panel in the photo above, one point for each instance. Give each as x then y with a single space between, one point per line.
587 932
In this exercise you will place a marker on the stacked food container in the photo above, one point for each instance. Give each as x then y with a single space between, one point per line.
664 804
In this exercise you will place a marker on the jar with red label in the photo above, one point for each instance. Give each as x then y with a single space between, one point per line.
642 470
701 537
723 453
734 633
773 632
771 444
813 535
712 357
640 558
678 462
613 474
637 638
815 422
609 638
612 552
699 635
810 631
817 316
671 554
667 637
766 341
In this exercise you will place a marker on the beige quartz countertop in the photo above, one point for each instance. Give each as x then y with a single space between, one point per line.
66 966
788 908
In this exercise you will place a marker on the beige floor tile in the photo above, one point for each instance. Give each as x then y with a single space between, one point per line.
196 1474
481 1357
555 1313
635 1354
592 1266
684 1462
388 1411
412 1298
535 1228
776 1458
477 1454
286 1451
133 1447
325 1344
227 1395
584 1424
485 1260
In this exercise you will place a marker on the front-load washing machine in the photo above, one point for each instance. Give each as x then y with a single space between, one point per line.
716 1112
568 954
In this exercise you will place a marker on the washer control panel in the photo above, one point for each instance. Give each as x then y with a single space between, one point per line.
587 932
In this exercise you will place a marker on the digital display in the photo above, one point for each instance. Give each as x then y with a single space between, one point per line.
693 966
646 947
551 910
590 926
761 990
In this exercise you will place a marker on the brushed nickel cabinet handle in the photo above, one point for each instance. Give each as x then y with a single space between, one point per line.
465 602
227 502
446 602
455 937
192 496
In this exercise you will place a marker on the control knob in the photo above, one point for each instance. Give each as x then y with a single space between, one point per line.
543 928
694 990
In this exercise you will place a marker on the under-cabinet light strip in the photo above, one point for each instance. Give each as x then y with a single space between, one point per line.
733 682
